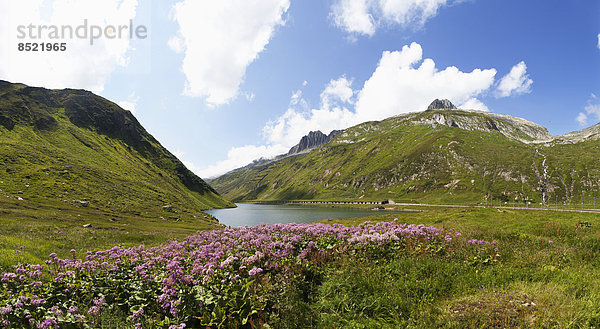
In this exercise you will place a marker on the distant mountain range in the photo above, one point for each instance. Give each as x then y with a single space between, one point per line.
443 154
71 148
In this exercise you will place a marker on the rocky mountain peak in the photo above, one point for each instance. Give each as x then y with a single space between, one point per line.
313 139
441 104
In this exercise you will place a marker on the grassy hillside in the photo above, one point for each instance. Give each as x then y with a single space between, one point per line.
68 156
435 156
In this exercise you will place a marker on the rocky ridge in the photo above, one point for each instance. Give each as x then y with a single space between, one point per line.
313 139
444 113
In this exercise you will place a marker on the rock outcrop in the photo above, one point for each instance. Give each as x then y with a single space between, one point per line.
589 133
441 104
512 127
313 139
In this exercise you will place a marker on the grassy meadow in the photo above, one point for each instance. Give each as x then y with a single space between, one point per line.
44 228
548 276
544 274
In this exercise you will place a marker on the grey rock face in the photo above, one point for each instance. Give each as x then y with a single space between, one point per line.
512 127
590 133
441 104
313 139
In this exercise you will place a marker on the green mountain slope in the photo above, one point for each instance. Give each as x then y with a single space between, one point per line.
63 150
439 156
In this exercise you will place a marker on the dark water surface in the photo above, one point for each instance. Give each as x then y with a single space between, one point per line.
255 214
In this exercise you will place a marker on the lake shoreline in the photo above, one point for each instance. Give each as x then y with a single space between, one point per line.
253 214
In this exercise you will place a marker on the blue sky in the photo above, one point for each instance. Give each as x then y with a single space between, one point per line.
220 83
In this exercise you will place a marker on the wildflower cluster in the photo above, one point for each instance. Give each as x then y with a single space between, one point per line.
209 279
486 251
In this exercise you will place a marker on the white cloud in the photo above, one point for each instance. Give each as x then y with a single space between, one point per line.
249 96
366 16
407 12
400 85
238 157
296 97
592 110
598 40
402 82
582 118
176 44
220 39
82 65
337 91
298 102
129 104
516 82
353 16
474 104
